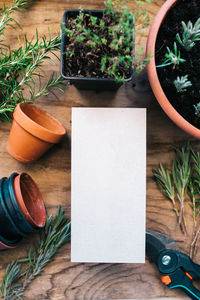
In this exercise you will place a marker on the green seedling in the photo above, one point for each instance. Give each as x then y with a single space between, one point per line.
182 83
172 57
191 34
110 36
197 109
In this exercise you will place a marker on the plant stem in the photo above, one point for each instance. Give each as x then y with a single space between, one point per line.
56 232
20 69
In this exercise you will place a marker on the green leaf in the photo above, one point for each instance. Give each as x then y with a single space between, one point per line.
56 232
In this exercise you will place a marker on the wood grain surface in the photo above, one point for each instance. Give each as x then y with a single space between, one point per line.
74 281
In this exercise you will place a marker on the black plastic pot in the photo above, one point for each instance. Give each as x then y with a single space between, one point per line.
14 208
8 229
13 222
91 83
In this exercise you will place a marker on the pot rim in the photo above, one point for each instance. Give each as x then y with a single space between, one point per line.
20 218
36 129
4 246
34 221
153 76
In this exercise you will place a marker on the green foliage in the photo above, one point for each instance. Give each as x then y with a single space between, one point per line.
181 174
197 109
172 58
5 14
180 182
140 64
24 67
173 182
182 83
112 35
191 34
19 274
164 182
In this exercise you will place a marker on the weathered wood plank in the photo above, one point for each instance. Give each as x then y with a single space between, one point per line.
62 279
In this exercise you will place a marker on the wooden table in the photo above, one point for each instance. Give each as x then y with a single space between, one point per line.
62 279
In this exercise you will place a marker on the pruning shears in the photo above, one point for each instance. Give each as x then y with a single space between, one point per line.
176 268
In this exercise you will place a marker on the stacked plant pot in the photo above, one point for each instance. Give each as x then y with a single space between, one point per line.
22 209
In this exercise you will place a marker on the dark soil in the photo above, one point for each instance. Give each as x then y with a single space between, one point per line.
86 61
184 10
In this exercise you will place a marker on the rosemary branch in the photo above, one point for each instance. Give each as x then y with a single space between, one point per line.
6 13
195 197
164 182
181 175
52 237
174 183
23 68
180 182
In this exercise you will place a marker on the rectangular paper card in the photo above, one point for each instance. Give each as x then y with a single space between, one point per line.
108 185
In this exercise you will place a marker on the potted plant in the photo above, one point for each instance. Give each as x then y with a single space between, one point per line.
97 46
174 66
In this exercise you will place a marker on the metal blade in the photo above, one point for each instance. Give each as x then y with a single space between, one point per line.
156 242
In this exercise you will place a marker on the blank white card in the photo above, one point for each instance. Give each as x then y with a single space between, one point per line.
108 185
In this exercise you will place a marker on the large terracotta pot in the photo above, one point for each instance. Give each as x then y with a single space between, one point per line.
153 76
33 132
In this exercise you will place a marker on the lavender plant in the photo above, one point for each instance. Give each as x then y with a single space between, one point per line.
197 109
191 34
182 83
180 182
172 57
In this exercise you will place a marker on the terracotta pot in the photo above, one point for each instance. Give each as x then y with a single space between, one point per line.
33 132
153 76
4 246
30 200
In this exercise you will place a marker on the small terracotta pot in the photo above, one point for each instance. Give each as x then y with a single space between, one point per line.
153 76
33 132
30 200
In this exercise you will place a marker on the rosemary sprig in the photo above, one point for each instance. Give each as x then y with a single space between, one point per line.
10 289
180 182
52 82
174 182
181 175
195 197
164 182
6 13
52 237
23 68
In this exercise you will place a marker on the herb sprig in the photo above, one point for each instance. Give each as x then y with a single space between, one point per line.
172 57
181 175
164 182
181 182
191 34
17 276
23 68
182 83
